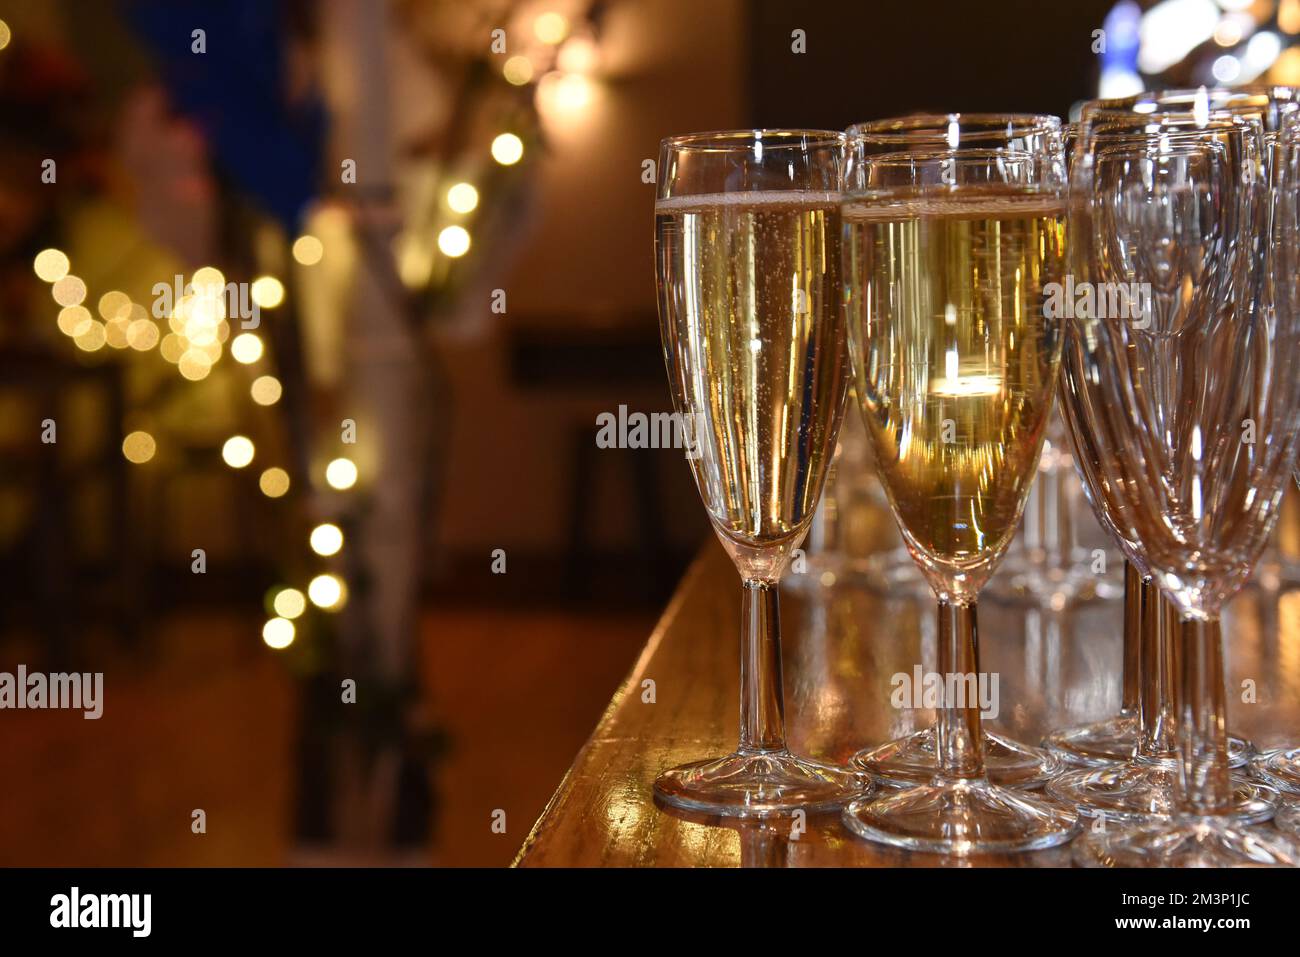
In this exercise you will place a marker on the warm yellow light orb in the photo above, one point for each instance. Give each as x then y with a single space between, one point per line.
238 451
139 447
247 348
326 591
51 265
274 482
454 241
551 28
326 539
74 320
70 291
341 474
518 70
290 603
308 250
268 292
507 149
266 390
142 334
462 197
278 633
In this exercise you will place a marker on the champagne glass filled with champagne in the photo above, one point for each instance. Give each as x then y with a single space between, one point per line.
955 228
1186 416
747 248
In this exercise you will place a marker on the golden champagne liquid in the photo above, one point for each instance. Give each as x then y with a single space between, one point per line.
956 364
751 316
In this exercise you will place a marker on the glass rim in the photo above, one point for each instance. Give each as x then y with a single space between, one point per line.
728 141
926 128
1264 94
1176 126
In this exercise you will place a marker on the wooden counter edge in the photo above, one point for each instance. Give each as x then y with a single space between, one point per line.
684 589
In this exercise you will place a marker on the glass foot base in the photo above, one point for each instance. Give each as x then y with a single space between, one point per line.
1136 793
1287 820
1093 745
961 817
1187 842
1114 740
908 761
1279 768
760 784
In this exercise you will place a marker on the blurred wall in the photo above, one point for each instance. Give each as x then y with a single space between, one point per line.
668 66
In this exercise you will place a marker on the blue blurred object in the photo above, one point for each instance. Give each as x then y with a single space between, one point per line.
235 93
1122 37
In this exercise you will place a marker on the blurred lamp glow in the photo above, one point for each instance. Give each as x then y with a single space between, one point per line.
326 539
507 149
247 348
290 603
325 591
551 28
278 633
462 198
268 292
518 70
238 451
274 482
341 474
51 265
454 241
308 250
266 390
138 447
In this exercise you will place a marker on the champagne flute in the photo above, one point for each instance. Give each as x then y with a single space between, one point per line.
747 248
1144 784
954 225
1188 408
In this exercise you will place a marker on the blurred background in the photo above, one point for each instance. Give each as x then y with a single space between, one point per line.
307 313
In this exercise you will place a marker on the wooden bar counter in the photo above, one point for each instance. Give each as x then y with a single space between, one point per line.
842 646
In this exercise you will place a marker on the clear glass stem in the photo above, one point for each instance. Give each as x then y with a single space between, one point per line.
1158 645
960 738
762 699
1205 786
1131 677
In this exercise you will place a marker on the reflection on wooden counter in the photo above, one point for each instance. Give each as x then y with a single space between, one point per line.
843 645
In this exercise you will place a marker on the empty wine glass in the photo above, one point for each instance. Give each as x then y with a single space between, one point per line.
954 225
1186 408
747 246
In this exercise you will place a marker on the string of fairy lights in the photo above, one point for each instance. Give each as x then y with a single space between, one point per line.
196 332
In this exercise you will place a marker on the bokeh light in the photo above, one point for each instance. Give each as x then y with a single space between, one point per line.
289 603
507 149
238 451
308 250
247 348
454 241
139 447
341 474
326 539
518 70
266 390
267 291
326 591
278 633
274 482
69 291
462 198
551 28
51 265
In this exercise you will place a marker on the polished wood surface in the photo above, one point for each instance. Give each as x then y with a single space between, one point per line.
842 645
